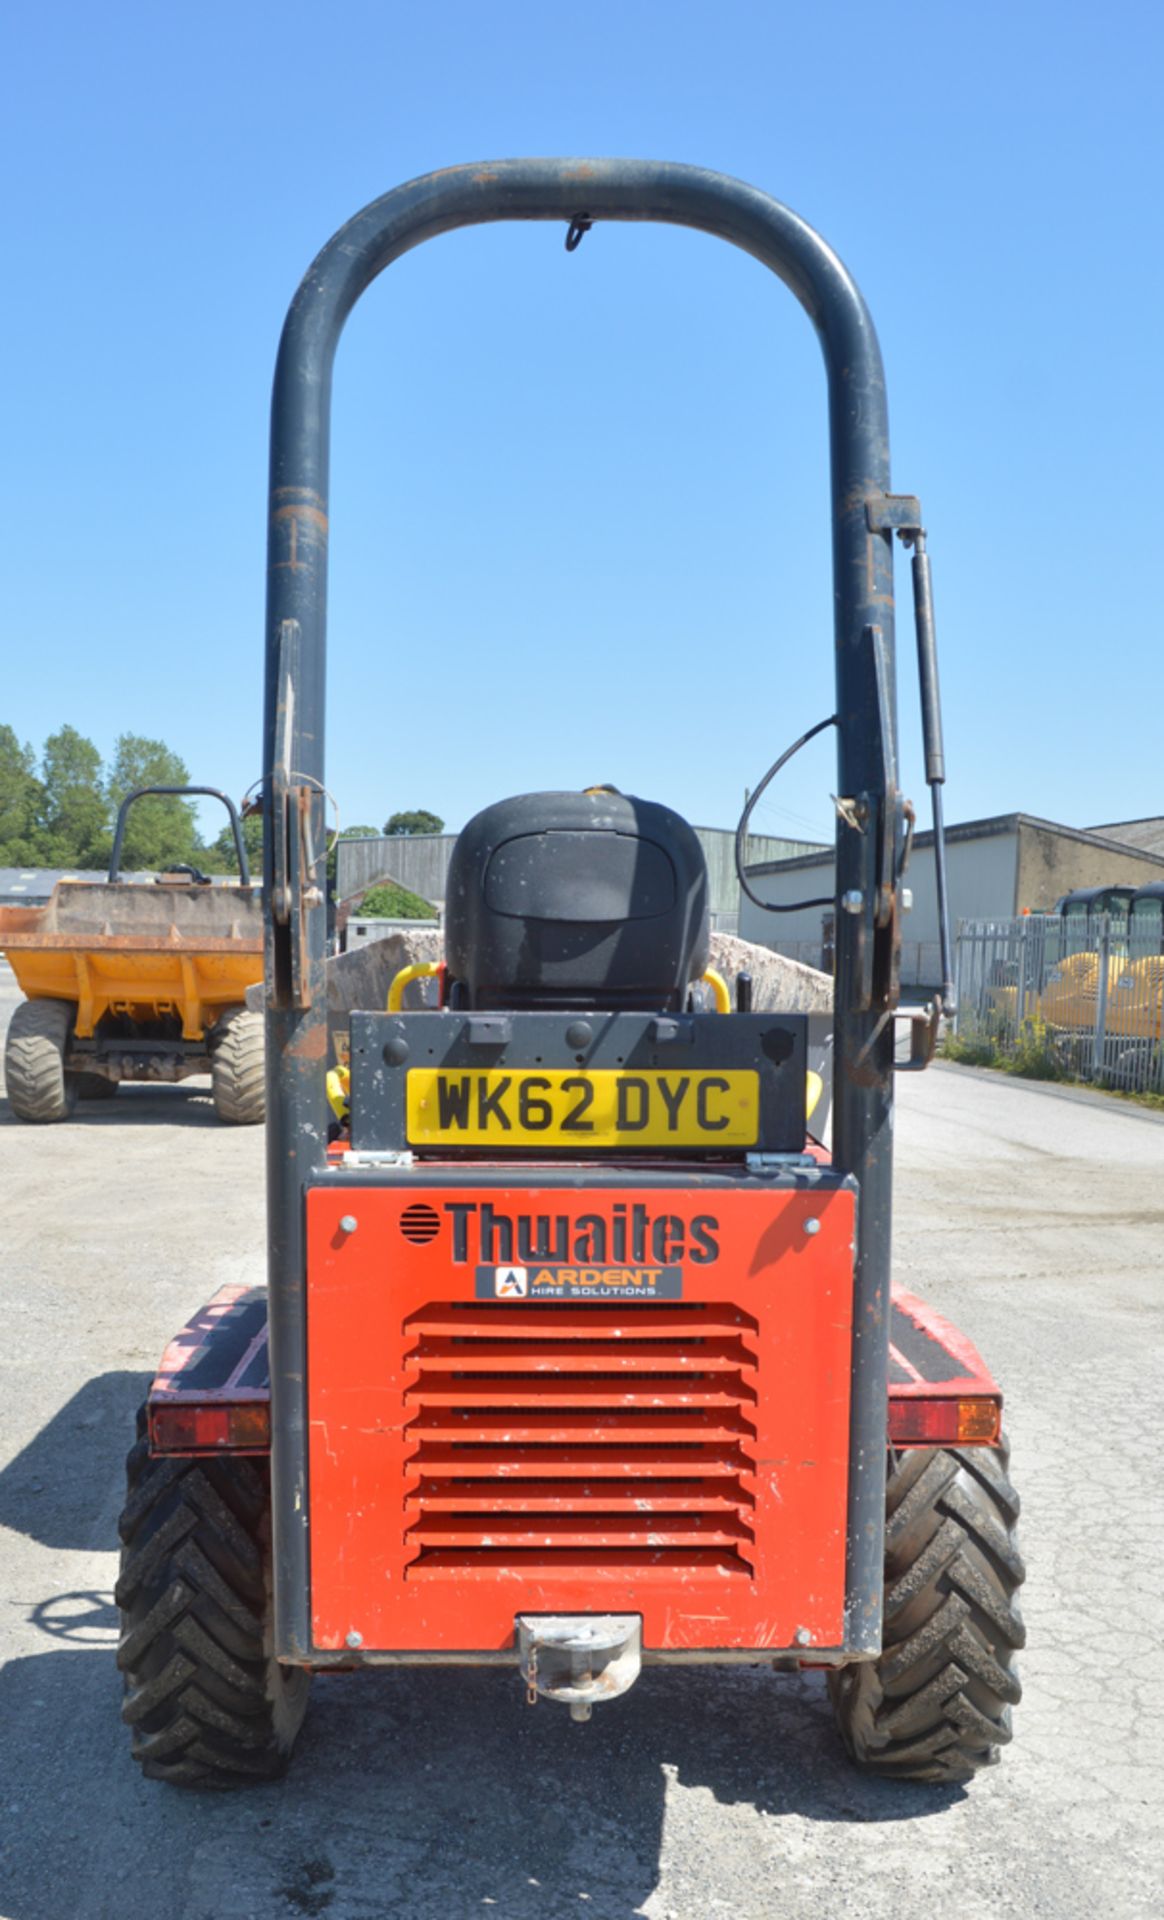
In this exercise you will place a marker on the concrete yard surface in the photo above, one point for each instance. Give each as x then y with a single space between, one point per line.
1029 1215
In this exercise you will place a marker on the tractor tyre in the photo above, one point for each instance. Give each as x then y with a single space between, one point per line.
237 1067
39 1087
207 1703
936 1703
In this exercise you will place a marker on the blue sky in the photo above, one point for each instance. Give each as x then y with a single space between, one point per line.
579 507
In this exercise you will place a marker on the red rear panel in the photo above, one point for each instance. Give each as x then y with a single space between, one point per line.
528 1400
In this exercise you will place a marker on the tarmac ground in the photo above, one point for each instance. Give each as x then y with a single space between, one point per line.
1029 1215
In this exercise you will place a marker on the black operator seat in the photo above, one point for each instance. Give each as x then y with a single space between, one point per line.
576 900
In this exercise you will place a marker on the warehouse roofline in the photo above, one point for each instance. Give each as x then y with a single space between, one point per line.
1141 820
998 824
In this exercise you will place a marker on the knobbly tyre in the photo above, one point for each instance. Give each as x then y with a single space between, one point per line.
578 1349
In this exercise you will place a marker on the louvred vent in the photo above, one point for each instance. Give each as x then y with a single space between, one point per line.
556 1438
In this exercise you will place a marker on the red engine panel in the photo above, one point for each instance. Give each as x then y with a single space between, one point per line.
528 1400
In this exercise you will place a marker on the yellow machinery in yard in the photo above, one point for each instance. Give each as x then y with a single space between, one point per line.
1069 998
1136 1001
1089 985
132 980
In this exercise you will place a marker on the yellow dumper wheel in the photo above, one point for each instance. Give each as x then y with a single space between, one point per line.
236 1065
39 1087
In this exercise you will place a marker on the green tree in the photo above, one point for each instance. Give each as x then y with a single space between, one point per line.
72 828
222 858
20 802
158 832
418 821
390 901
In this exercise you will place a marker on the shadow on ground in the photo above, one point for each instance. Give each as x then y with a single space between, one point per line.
147 1103
431 1795
56 1486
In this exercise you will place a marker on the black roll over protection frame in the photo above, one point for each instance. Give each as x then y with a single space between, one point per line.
184 793
871 836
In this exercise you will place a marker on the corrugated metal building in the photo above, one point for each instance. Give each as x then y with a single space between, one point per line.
31 886
997 868
420 862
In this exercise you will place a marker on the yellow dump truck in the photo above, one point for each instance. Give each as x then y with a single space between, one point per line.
132 980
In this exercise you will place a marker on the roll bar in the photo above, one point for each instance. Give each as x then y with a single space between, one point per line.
212 793
581 194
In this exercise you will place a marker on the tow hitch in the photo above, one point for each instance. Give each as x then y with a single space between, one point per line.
579 1658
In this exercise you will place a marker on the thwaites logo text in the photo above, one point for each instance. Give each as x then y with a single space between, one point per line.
624 1235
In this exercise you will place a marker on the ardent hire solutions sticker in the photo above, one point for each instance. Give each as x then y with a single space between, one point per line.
579 1283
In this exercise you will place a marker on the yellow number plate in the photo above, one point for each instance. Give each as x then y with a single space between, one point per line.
487 1107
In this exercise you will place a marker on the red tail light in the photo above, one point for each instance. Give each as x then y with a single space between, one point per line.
242 1428
918 1422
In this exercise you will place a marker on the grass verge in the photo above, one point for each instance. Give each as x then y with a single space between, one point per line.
1039 1053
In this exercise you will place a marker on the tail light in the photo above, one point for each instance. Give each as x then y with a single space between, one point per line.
921 1422
241 1428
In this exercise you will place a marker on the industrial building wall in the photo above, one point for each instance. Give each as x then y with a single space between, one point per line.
719 850
784 931
981 881
1052 862
1147 834
419 861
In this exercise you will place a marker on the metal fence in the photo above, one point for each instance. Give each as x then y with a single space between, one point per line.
1083 998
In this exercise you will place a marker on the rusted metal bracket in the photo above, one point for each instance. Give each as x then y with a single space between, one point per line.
854 813
284 760
293 882
901 514
887 811
910 818
883 913
924 1026
898 513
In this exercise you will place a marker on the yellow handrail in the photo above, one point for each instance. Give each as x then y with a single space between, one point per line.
421 970
719 987
339 1089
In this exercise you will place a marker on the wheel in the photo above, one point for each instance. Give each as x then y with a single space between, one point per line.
95 1086
39 1089
236 1065
207 1703
936 1704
